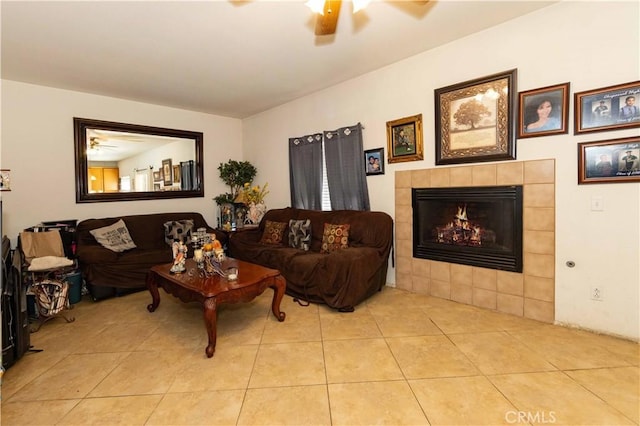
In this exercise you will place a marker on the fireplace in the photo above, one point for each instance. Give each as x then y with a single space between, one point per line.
478 226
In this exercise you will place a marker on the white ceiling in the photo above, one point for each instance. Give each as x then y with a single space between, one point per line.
233 59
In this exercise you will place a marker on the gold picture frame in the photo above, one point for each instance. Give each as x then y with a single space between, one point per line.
404 139
475 120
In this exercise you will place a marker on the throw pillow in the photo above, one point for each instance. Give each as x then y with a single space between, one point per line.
180 230
273 232
300 234
115 237
335 237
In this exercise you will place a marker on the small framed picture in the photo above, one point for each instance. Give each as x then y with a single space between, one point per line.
176 173
475 120
157 176
544 111
5 180
608 108
404 139
374 160
166 172
612 161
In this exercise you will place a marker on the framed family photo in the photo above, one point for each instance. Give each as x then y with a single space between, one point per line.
167 169
544 111
404 139
374 160
608 108
612 161
475 120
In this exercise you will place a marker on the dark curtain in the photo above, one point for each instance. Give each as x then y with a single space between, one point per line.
346 173
305 171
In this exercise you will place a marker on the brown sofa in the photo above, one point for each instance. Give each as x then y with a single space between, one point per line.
108 273
341 279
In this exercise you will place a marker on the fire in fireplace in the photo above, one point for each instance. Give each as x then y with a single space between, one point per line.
478 226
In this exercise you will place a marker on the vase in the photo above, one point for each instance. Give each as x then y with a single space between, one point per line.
256 213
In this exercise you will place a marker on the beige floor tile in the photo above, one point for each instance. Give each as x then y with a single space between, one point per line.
571 349
318 367
230 368
301 328
413 322
464 319
198 408
142 373
349 325
555 395
430 356
73 377
379 403
36 412
360 360
618 387
499 353
288 364
122 337
29 367
461 401
125 410
298 405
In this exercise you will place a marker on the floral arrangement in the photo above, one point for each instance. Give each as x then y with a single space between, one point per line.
254 194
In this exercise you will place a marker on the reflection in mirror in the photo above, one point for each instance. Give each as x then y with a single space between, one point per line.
118 162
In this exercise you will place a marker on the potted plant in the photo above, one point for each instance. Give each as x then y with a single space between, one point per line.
235 174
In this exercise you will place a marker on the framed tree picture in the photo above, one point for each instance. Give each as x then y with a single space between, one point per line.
475 120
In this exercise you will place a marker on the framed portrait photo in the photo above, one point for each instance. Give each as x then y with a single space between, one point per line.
167 170
612 161
404 139
374 161
475 120
544 111
608 108
5 180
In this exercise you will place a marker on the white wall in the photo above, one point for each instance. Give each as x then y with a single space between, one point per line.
38 147
577 42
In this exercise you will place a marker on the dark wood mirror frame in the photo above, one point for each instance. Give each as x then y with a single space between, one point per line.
83 195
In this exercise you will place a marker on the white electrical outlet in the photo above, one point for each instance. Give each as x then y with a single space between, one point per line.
596 294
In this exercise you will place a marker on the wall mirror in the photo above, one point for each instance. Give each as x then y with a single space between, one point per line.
121 162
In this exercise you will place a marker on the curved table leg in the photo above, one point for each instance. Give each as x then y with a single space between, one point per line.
210 320
278 285
152 286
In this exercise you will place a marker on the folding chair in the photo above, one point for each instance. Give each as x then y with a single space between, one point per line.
46 267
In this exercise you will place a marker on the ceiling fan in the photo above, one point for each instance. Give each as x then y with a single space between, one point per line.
95 144
329 10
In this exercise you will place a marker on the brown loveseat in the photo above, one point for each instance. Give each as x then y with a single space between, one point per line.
108 273
341 279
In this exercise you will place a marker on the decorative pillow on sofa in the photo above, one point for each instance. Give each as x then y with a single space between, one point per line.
300 234
115 237
178 230
273 232
335 237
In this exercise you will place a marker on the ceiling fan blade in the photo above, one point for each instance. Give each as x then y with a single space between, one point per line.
326 24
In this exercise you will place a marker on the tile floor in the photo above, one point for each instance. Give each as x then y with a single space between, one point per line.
400 358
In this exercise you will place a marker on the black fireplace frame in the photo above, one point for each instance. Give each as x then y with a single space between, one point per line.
507 260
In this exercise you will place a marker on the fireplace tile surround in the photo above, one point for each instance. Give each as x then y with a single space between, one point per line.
530 294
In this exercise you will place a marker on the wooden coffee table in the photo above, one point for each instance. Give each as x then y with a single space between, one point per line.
212 291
